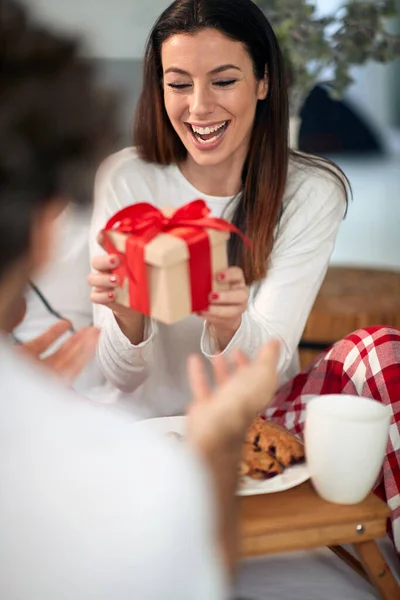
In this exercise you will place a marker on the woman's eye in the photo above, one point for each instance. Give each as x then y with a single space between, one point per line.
225 82
183 86
178 86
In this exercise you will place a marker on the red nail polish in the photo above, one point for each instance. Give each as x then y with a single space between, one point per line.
113 279
111 295
214 296
221 277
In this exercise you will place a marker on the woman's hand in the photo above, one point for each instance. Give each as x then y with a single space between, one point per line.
71 357
218 420
104 285
224 315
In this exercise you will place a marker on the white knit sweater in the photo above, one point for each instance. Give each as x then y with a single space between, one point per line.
153 373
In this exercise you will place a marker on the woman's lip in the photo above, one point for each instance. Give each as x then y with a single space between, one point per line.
205 146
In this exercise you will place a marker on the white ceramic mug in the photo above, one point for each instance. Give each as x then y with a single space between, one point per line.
345 441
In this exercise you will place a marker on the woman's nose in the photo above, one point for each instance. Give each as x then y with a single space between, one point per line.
202 102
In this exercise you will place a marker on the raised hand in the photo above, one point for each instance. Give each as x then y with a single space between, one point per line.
70 358
217 421
219 416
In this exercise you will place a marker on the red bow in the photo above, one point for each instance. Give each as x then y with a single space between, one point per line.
143 222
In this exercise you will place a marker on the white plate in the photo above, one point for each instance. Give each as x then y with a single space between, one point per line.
291 477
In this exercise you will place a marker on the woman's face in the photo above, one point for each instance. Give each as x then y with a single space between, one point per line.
210 94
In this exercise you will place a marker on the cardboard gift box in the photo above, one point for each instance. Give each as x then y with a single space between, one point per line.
168 259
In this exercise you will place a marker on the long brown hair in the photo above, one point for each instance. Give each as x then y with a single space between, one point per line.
259 204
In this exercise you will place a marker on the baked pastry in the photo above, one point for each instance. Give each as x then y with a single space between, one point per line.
258 464
254 430
277 441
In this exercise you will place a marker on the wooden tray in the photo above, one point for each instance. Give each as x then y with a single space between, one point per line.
298 519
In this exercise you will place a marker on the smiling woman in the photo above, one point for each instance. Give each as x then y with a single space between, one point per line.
212 122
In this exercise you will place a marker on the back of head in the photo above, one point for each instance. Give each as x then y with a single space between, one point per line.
55 125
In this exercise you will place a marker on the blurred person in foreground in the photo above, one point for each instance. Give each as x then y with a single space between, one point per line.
90 508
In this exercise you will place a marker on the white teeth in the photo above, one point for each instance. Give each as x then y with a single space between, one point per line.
206 130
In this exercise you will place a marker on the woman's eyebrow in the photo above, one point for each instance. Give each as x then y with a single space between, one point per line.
219 69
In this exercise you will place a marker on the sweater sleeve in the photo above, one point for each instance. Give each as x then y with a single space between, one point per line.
280 304
125 365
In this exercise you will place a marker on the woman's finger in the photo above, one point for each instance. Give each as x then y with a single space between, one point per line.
198 381
238 296
238 286
223 313
232 275
100 239
102 281
99 296
105 262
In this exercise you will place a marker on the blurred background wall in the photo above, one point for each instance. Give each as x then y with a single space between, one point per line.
116 33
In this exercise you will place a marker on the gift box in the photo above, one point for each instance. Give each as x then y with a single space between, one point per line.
168 259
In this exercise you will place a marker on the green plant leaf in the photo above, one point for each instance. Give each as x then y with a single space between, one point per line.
353 35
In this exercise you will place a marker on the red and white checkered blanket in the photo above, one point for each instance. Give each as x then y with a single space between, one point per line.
366 363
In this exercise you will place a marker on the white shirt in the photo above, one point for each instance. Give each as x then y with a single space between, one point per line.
63 284
90 509
58 281
154 371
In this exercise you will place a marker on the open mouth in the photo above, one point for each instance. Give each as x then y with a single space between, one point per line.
208 135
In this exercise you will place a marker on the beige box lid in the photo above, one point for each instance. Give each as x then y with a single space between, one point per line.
166 250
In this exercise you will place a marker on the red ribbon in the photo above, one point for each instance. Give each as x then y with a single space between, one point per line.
143 222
